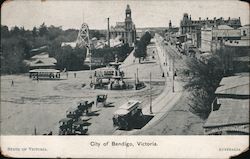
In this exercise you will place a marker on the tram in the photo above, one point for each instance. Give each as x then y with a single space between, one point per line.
44 74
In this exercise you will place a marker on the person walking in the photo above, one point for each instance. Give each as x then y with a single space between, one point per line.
75 75
12 83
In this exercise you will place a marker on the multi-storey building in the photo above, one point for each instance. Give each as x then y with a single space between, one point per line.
188 25
125 30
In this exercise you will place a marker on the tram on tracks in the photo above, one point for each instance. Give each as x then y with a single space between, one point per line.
44 74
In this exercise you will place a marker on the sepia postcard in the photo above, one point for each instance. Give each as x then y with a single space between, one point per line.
124 78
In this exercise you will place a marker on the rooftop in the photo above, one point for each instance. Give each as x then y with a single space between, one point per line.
41 59
126 108
44 71
231 112
224 27
71 44
236 85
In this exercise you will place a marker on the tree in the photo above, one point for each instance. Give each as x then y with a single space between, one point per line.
34 32
141 46
4 31
43 30
203 83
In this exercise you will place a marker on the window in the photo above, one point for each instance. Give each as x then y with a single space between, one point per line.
244 33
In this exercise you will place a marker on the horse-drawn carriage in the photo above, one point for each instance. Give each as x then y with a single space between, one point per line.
65 126
80 127
73 124
70 127
101 100
85 107
73 113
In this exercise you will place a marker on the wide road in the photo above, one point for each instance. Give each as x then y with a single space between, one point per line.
168 98
32 105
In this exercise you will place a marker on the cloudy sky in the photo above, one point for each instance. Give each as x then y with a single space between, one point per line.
147 13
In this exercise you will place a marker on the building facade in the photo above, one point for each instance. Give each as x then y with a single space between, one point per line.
187 25
212 38
125 30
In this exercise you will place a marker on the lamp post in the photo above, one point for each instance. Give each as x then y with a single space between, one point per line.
173 74
151 112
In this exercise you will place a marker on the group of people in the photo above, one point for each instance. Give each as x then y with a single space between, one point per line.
67 74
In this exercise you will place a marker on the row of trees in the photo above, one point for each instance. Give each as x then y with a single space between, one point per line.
109 53
141 46
205 78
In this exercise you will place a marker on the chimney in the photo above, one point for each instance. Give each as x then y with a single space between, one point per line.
228 18
108 34
199 18
207 18
214 18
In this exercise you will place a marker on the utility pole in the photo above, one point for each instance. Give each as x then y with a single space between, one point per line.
35 130
173 73
137 79
90 58
151 112
108 34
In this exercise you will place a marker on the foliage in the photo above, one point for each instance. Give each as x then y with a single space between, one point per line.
109 53
71 59
97 34
141 46
17 42
12 56
205 78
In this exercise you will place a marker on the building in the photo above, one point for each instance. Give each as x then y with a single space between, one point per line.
211 38
245 32
41 61
230 109
125 30
71 44
236 56
187 25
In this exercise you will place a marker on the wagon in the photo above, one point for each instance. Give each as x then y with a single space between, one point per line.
101 100
80 127
65 126
73 113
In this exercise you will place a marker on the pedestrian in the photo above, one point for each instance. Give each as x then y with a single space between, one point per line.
12 83
67 74
75 75
163 75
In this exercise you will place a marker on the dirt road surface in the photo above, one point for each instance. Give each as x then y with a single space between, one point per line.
31 104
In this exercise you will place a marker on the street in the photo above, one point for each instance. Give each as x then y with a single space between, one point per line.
39 105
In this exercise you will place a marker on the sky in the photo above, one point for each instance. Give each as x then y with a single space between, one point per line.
145 13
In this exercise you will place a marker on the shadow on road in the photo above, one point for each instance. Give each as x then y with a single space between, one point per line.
139 124
110 104
93 113
148 62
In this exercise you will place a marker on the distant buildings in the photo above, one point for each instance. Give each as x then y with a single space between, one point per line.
125 30
227 38
71 44
187 25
